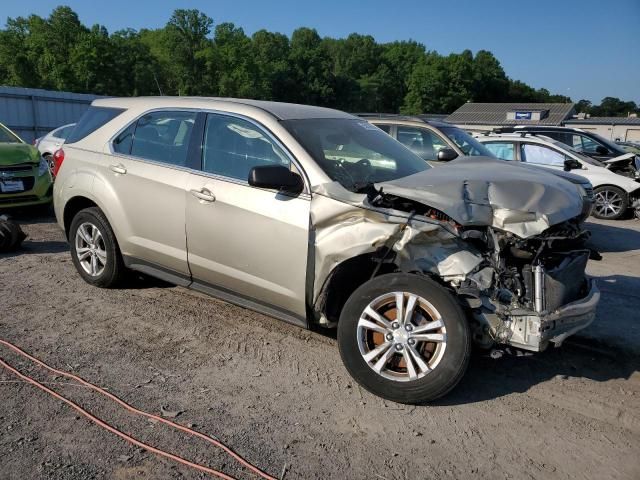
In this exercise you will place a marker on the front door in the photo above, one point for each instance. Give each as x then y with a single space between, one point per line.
246 240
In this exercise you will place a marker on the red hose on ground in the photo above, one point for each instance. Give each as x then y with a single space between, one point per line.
128 407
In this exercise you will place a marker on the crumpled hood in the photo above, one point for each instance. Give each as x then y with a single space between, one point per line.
16 153
483 191
619 158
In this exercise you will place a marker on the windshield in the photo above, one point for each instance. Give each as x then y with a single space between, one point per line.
7 136
465 142
354 152
594 137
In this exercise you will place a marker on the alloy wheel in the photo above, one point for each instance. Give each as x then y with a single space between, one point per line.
90 249
608 203
401 336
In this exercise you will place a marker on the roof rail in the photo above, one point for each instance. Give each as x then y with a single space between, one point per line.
504 130
380 115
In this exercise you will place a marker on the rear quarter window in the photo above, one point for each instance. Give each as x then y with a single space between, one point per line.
93 119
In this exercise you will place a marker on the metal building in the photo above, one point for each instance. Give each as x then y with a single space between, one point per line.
32 112
487 116
613 128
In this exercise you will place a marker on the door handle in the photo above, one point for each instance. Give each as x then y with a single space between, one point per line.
204 195
119 168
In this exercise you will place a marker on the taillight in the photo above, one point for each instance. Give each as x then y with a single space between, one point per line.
58 158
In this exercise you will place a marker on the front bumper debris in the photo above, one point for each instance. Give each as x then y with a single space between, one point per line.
533 331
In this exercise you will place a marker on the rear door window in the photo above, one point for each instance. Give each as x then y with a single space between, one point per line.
233 146
502 150
160 136
92 120
541 155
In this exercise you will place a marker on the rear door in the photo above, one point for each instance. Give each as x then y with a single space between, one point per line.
248 241
147 175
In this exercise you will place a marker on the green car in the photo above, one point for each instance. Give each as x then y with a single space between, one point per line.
25 178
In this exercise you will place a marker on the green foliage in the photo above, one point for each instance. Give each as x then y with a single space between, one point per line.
609 107
188 56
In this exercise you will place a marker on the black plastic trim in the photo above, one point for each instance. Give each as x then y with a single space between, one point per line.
165 274
250 303
183 280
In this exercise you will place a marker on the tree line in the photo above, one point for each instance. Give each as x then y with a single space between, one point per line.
192 56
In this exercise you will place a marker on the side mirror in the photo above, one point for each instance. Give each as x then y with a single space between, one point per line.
600 150
276 177
447 154
571 164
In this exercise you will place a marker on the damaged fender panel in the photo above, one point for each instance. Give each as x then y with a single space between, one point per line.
509 200
345 227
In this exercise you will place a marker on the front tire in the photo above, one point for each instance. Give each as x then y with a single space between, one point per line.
611 203
404 337
94 249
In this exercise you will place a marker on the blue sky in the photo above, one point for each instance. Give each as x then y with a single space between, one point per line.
581 48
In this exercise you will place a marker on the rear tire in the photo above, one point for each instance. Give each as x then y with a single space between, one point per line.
611 203
94 249
428 350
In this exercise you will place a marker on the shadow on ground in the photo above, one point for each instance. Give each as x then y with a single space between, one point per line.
30 247
488 378
609 238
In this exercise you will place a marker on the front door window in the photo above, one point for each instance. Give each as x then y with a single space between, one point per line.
421 141
541 155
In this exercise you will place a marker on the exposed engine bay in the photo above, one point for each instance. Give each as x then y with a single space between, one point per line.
521 281
626 165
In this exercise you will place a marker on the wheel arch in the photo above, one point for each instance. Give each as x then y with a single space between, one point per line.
71 209
346 277
611 185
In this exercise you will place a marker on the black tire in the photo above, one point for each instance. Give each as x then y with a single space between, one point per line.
612 191
453 363
113 271
11 235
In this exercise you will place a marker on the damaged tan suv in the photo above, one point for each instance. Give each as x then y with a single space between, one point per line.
319 218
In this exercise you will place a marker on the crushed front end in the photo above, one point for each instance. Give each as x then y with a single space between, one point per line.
530 292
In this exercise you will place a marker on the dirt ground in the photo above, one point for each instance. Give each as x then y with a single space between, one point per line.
280 396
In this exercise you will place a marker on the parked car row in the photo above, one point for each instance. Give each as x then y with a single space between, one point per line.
438 142
557 148
321 219
608 174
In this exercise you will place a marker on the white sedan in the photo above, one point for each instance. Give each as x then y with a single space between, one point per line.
53 141
616 190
